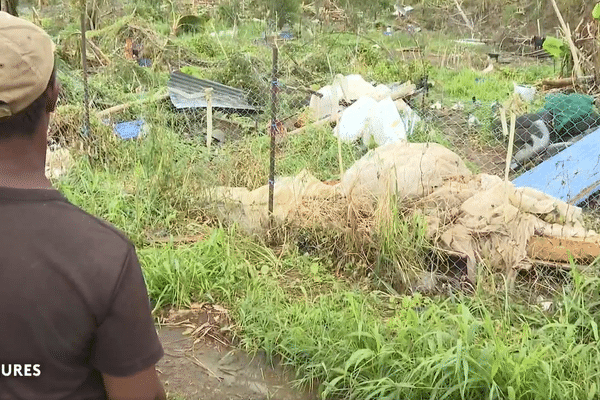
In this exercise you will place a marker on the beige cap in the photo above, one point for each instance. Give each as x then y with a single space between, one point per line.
26 63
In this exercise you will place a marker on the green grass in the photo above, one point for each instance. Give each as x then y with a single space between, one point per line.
458 348
497 86
362 345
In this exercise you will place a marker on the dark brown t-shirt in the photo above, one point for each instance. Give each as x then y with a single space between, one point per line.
73 301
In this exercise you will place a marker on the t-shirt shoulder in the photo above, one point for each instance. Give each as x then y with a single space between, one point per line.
101 223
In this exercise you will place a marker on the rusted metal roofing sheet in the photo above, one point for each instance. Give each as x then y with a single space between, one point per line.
187 91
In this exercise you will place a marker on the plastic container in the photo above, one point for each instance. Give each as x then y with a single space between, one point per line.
527 93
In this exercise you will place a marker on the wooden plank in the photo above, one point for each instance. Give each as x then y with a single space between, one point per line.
560 249
550 264
123 107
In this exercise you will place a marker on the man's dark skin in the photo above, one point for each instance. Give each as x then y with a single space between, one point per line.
22 165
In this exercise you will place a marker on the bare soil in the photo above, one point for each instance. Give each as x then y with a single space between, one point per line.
201 363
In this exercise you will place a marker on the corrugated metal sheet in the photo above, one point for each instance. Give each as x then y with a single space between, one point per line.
571 175
187 91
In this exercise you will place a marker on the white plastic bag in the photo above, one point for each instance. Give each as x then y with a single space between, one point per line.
354 120
354 86
385 125
328 104
527 93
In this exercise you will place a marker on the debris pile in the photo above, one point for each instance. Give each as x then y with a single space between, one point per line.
562 121
58 162
571 175
479 218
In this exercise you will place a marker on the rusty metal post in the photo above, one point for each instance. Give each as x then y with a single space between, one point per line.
86 92
273 131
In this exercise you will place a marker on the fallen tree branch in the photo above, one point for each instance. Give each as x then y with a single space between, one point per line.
410 49
125 106
98 52
178 239
332 118
464 16
560 83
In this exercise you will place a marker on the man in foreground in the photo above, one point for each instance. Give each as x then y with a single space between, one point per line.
75 319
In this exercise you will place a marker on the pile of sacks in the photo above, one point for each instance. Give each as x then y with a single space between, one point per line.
478 217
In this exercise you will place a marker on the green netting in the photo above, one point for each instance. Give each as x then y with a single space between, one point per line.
568 109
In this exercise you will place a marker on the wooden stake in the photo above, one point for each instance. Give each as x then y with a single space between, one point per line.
503 120
511 141
274 104
209 122
339 140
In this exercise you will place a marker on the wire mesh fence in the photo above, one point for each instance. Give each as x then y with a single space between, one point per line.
323 112
474 220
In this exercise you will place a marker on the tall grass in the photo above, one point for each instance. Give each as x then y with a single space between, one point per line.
498 86
217 269
141 186
455 349
360 345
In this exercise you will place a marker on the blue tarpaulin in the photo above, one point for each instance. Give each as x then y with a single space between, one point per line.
571 175
129 129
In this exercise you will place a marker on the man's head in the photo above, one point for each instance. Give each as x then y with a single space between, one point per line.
28 89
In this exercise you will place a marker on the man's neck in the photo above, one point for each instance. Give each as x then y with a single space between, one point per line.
23 179
23 164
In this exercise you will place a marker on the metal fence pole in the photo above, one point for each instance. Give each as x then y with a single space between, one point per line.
273 131
86 93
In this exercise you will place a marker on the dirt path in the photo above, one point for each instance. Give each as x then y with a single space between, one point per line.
208 372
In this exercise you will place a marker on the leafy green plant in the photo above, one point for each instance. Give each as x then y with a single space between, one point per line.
596 12
556 47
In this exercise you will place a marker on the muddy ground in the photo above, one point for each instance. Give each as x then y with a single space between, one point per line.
200 363
207 372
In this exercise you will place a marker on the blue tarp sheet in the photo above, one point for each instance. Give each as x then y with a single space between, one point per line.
130 129
571 175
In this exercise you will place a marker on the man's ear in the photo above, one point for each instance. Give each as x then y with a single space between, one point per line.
53 97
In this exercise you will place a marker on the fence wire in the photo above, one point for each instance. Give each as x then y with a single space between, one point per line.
253 95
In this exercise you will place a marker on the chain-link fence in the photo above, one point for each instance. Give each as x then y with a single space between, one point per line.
322 111
477 219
